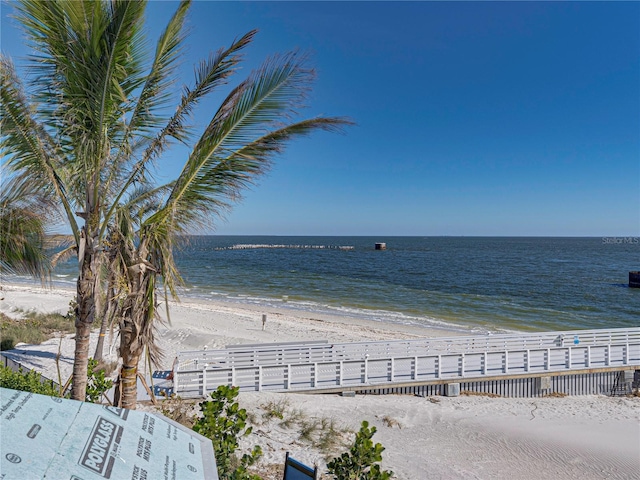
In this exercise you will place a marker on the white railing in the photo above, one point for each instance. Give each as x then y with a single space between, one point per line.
281 368
282 354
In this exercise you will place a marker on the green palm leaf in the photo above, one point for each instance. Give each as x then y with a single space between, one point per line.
23 242
26 144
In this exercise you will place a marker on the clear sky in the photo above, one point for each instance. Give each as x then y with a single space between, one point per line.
472 118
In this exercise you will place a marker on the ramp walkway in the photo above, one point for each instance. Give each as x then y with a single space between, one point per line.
322 367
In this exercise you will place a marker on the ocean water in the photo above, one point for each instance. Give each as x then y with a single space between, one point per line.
465 283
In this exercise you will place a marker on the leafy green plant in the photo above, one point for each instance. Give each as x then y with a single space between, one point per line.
71 312
29 381
97 384
361 461
224 422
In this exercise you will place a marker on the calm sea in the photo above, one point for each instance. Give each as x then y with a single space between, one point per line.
467 283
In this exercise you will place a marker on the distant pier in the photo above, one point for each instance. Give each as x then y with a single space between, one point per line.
312 247
381 246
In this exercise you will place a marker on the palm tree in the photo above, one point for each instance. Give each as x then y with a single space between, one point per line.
72 134
93 126
237 145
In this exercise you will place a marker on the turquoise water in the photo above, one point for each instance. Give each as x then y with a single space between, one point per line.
466 283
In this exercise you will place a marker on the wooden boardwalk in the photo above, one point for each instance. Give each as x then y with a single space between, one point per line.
323 367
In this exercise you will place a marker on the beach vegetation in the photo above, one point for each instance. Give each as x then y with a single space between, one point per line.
391 422
97 384
179 409
361 462
33 329
293 418
34 382
224 422
27 381
332 437
307 429
470 393
275 409
87 131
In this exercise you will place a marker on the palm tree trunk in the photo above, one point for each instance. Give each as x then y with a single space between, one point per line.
129 384
106 315
131 344
97 355
128 378
85 312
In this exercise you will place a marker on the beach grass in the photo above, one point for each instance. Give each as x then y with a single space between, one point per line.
275 409
33 329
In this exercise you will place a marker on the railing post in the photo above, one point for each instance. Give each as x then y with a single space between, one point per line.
314 377
439 368
392 368
484 363
415 368
607 358
462 364
233 376
366 369
340 374
527 361
506 361
568 358
547 363
287 377
626 354
204 382
259 378
588 355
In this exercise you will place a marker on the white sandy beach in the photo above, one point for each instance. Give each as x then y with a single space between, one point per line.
467 437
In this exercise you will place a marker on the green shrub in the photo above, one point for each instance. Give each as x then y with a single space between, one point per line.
7 343
29 381
97 384
224 423
361 461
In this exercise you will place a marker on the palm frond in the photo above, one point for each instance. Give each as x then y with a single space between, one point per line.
88 56
155 93
23 240
27 146
211 73
156 90
269 96
64 255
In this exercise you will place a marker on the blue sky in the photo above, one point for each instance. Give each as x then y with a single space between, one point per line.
472 118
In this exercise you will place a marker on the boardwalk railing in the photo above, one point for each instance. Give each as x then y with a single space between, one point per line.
320 366
284 353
